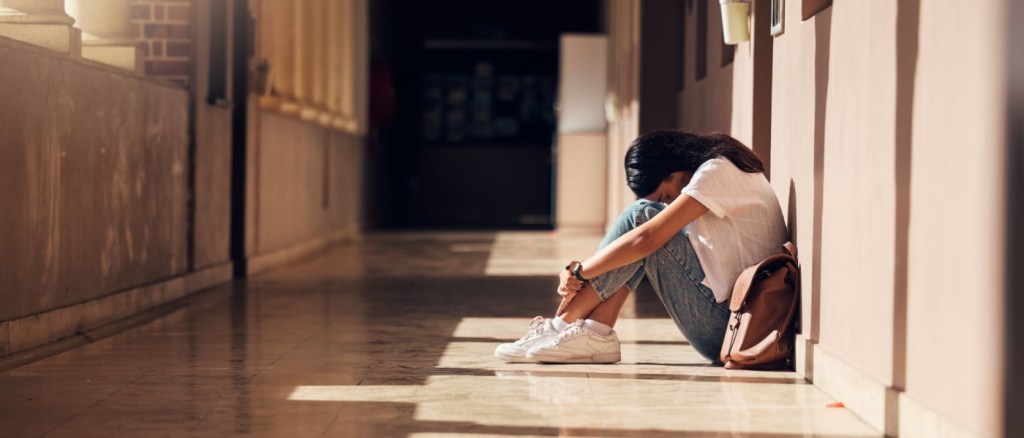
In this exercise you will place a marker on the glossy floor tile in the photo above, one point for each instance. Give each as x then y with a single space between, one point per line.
394 337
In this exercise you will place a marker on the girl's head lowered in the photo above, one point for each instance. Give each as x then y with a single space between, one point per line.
671 157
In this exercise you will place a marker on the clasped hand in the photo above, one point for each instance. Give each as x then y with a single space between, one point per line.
568 287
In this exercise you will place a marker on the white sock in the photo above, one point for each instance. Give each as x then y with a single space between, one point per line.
558 323
597 327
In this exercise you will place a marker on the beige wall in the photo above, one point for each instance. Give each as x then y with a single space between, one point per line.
94 174
305 150
886 207
886 138
874 195
707 104
833 168
213 187
95 168
581 162
93 182
858 209
799 95
306 183
582 139
956 208
623 106
213 155
316 54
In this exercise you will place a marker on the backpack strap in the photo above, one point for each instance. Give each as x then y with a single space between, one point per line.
790 248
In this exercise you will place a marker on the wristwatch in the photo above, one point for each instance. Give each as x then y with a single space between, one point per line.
575 268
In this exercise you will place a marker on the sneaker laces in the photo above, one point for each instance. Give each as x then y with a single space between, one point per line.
573 331
536 327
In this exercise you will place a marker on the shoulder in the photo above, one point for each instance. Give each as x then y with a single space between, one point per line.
717 168
723 187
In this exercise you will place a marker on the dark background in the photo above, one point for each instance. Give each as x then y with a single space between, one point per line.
462 118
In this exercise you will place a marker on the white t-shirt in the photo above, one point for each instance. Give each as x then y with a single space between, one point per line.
743 225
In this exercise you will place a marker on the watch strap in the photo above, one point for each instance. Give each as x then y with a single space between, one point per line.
577 267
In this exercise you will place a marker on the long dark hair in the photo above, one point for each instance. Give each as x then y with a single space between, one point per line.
656 154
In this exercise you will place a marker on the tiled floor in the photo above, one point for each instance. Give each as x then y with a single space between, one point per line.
393 337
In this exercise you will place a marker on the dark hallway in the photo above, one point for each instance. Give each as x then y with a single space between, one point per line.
463 110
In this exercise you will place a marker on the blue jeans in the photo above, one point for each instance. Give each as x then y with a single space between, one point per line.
675 273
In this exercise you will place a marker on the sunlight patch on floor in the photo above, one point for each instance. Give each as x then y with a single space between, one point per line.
661 385
537 253
523 399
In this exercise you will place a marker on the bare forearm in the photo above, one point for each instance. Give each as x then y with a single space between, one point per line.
627 249
644 239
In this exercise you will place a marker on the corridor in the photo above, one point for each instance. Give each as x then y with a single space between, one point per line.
393 336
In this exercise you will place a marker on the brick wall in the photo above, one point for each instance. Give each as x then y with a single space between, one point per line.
163 28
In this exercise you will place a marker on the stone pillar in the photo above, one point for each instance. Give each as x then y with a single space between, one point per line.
304 58
299 57
264 40
321 46
348 62
340 30
107 32
334 32
349 21
360 66
39 22
282 63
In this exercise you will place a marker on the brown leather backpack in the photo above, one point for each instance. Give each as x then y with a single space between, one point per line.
763 304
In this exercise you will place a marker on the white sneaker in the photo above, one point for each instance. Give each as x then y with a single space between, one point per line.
577 344
541 332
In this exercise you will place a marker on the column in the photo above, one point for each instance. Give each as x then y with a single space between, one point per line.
321 45
282 66
39 22
339 28
298 55
334 31
266 33
304 63
360 44
348 67
351 35
107 35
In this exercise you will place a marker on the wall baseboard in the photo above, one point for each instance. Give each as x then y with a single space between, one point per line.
44 334
37 336
803 356
916 420
883 407
862 394
262 262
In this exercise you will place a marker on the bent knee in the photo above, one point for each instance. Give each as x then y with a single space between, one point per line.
642 210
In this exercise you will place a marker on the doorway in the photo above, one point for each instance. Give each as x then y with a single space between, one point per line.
469 142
